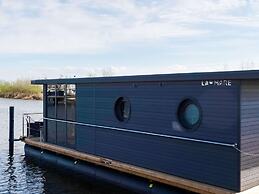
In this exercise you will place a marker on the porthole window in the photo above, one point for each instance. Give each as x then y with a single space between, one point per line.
122 109
189 114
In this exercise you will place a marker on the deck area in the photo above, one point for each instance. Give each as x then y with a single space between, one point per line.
130 169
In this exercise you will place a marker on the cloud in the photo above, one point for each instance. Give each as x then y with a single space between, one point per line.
90 26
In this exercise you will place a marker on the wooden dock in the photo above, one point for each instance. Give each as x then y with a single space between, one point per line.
130 169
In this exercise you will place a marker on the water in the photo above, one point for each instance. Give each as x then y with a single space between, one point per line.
20 176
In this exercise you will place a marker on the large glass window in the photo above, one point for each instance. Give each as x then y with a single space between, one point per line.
61 105
51 101
71 114
71 102
61 113
189 114
51 113
61 101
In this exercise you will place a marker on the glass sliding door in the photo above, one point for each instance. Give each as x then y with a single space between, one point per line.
61 101
51 113
61 106
61 114
71 114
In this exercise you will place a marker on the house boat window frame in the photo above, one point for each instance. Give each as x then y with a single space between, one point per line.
122 109
181 114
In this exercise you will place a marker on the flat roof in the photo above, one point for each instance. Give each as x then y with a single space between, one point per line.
220 75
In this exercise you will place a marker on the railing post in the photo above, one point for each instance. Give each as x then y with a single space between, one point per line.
23 126
11 130
29 127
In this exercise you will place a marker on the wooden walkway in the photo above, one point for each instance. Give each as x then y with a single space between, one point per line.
130 169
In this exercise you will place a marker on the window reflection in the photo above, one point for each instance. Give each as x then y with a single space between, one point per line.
70 135
122 109
71 114
61 101
71 102
51 101
189 114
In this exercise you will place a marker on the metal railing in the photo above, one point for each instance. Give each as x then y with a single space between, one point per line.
27 119
142 132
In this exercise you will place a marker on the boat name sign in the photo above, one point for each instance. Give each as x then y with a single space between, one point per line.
226 83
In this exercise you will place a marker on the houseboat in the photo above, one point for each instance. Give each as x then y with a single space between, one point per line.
153 133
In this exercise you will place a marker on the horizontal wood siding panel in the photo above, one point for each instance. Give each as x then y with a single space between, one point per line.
171 156
249 134
85 106
85 139
154 109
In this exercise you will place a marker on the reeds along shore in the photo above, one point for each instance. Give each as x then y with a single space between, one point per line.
20 89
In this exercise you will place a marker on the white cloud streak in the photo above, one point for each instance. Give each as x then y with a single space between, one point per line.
86 26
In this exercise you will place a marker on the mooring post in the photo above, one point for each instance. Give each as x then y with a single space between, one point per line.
11 130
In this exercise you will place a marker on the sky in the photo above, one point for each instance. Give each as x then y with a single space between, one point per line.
79 38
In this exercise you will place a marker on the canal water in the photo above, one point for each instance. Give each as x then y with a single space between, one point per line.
20 176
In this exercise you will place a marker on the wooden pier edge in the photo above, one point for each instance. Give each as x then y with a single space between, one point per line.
160 177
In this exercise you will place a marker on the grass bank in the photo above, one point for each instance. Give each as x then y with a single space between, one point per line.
20 89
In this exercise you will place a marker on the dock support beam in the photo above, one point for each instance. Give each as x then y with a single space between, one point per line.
11 130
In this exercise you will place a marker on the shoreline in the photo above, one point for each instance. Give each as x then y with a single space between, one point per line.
22 96
20 89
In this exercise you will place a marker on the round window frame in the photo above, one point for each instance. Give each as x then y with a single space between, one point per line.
181 110
119 117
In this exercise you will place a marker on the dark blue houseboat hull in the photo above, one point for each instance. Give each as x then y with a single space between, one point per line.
93 172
